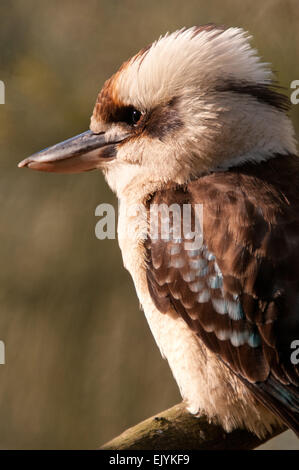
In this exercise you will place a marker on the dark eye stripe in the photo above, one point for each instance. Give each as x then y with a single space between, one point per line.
127 114
265 93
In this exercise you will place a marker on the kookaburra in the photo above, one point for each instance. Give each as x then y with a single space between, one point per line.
196 119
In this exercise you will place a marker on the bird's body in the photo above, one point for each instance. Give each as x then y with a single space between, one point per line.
192 326
193 121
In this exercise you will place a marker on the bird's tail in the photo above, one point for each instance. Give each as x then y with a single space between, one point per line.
282 400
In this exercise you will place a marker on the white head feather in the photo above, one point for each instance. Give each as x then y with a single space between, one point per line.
188 60
201 69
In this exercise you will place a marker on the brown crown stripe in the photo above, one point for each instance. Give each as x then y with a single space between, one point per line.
265 93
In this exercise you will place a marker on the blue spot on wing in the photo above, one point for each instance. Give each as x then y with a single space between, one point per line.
238 338
220 306
254 339
235 310
202 263
208 255
215 282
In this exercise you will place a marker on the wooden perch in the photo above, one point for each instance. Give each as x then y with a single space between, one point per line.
176 429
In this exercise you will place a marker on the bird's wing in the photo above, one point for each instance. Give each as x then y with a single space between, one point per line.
239 291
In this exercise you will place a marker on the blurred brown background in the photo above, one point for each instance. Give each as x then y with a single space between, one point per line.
81 364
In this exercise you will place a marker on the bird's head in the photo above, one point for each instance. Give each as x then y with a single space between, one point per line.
195 101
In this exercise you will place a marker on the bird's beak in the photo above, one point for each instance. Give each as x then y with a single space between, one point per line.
83 152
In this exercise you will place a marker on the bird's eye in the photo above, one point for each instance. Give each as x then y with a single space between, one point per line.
128 114
136 115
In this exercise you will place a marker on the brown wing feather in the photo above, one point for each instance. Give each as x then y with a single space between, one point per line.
240 291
